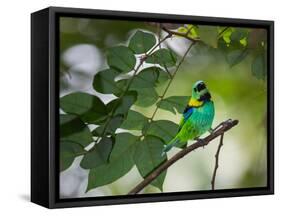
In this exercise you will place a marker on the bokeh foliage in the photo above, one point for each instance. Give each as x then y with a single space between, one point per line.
136 74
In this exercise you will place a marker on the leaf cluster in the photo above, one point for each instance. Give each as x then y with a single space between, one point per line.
134 72
236 43
114 154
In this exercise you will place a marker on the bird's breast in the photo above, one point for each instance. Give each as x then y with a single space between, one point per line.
204 115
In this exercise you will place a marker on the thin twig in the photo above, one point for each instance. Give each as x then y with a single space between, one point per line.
189 30
221 33
171 80
185 35
217 162
227 125
180 34
158 44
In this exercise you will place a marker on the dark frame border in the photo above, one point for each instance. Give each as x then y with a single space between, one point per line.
54 200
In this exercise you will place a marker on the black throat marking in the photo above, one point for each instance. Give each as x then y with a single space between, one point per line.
205 97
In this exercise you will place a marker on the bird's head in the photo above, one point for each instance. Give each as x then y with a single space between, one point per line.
200 91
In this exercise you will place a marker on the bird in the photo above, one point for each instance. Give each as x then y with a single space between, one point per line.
197 117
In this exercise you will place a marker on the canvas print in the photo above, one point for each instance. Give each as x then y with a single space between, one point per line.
151 108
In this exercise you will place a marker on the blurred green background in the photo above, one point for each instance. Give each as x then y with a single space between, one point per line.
237 94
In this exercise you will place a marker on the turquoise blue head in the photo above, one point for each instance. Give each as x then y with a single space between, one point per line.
200 91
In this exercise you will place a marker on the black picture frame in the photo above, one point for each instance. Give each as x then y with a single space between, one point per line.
45 105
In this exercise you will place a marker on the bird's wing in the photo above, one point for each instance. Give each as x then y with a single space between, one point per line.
186 114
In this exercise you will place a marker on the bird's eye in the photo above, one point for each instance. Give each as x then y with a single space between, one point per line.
201 86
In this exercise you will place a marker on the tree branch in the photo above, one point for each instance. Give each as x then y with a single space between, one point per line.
217 162
223 127
185 35
180 34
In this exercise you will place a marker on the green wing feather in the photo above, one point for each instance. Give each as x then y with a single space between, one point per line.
181 123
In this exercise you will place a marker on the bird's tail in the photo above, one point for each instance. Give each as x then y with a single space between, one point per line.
170 145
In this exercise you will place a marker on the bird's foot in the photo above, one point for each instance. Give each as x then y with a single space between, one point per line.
199 140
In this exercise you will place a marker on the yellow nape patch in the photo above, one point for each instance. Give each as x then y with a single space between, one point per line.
194 103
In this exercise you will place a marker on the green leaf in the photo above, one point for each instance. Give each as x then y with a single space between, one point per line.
239 34
190 29
259 66
111 127
174 103
134 121
99 155
227 34
125 144
121 58
163 129
144 79
141 42
73 129
146 97
236 56
120 162
163 77
209 35
68 151
182 29
88 107
163 57
193 31
147 78
148 157
244 42
104 82
122 105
